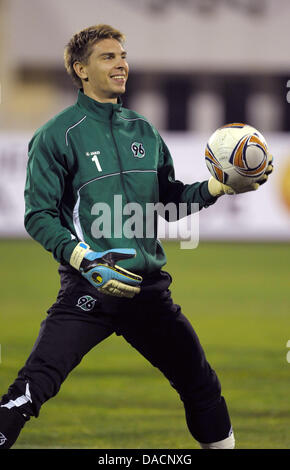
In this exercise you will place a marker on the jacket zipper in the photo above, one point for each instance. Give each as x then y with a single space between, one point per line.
124 189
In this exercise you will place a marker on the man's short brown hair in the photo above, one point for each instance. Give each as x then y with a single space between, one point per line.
80 46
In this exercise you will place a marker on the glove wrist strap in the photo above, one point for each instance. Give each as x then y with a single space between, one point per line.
78 254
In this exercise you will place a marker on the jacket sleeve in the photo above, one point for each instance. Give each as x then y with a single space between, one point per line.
174 191
45 182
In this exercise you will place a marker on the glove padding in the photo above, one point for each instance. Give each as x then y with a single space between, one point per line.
100 270
216 188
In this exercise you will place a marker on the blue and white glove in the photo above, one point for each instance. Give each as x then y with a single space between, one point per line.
100 270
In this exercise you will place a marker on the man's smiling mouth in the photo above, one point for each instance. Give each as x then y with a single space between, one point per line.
120 78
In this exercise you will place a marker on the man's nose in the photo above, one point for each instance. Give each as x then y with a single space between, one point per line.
122 63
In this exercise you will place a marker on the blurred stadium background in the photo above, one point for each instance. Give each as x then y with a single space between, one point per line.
195 65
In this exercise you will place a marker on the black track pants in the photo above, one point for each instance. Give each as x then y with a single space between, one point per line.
151 323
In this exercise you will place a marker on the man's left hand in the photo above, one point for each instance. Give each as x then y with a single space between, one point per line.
217 189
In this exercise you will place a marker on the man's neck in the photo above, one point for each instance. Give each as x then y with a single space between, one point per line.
92 95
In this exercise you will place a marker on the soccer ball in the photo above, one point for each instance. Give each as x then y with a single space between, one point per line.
237 155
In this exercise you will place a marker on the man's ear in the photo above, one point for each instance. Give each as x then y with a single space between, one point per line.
80 70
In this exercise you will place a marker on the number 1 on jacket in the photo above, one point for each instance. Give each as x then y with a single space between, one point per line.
96 160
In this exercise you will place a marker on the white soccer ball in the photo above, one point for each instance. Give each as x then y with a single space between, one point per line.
237 155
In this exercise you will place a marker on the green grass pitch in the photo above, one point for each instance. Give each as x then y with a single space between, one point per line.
237 298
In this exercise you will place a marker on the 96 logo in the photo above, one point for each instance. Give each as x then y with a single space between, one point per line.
138 150
3 439
86 302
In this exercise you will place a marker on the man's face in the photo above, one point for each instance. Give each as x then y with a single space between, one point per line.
107 71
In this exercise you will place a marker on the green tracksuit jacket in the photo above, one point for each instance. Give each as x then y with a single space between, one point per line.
91 157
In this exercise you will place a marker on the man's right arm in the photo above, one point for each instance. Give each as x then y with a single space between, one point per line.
45 185
44 188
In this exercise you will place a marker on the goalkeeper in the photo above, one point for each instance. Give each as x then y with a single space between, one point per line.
92 151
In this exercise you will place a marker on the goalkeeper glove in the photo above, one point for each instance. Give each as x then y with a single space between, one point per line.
217 189
100 270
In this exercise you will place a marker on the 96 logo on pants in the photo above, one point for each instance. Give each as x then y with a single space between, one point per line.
86 302
3 439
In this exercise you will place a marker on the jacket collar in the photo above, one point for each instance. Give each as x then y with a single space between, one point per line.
97 110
